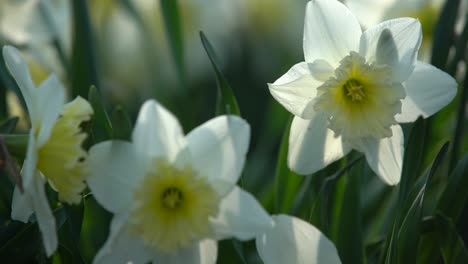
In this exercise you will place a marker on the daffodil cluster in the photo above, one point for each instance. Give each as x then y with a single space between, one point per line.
173 195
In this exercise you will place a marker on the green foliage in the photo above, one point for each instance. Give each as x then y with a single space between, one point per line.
421 220
171 16
101 128
226 102
84 65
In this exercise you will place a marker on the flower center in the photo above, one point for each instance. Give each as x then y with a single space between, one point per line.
172 207
172 197
61 158
361 100
354 90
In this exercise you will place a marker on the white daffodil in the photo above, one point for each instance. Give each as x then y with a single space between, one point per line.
353 89
54 152
371 12
35 22
292 240
172 195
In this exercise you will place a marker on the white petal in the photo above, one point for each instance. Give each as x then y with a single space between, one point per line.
330 32
30 162
157 132
45 218
312 146
114 172
428 90
50 102
240 216
385 156
20 72
21 206
218 149
203 252
395 43
293 240
121 246
297 88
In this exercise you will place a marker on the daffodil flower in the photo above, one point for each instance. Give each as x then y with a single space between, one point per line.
292 240
54 151
354 88
174 196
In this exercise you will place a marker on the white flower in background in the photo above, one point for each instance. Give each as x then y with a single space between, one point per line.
353 89
34 25
35 22
54 151
292 240
371 12
174 196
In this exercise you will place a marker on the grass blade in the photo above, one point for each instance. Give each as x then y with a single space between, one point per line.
226 102
121 125
83 65
454 197
172 22
101 128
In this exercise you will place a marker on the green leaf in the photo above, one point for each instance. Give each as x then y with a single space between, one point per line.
350 242
444 33
461 122
23 246
3 101
101 126
70 233
26 244
83 65
17 144
331 185
454 197
451 245
403 242
239 248
412 159
286 181
226 102
172 22
121 125
9 125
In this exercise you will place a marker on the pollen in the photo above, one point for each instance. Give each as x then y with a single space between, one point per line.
360 100
172 207
61 158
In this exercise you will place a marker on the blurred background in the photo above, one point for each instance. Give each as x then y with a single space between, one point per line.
133 50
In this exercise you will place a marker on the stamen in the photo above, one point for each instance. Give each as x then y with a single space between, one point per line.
171 198
355 90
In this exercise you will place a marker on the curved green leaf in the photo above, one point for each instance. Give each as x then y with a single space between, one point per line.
226 102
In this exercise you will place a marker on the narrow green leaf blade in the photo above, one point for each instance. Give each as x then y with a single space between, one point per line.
101 128
121 125
403 242
444 33
409 230
226 102
454 197
83 65
286 181
9 125
451 245
350 242
172 22
412 159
